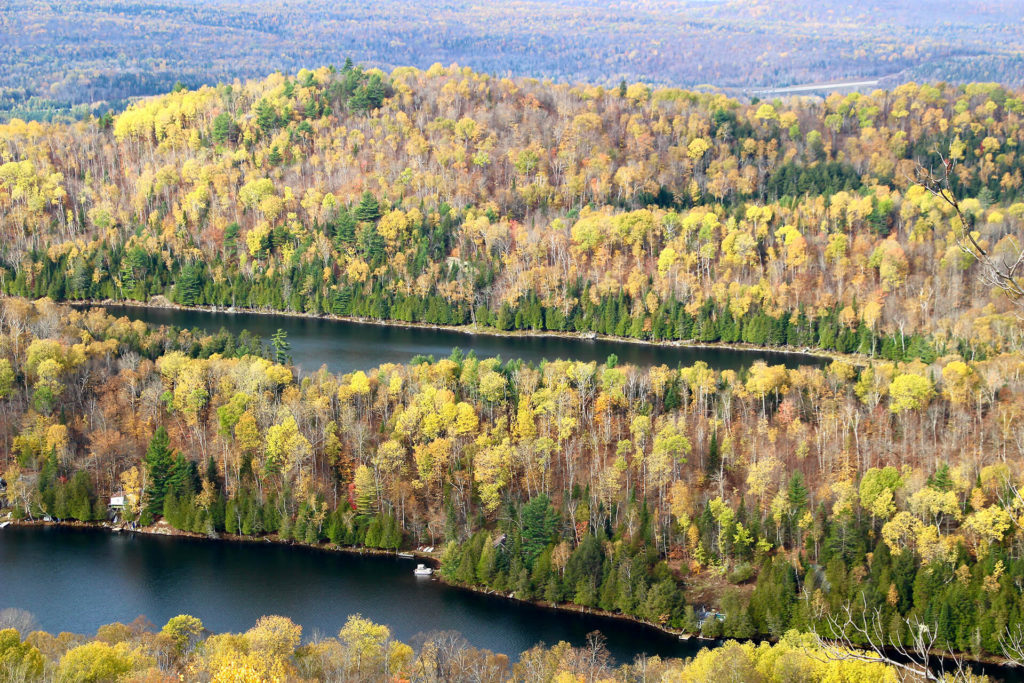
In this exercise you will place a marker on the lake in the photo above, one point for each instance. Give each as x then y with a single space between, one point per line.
345 345
76 579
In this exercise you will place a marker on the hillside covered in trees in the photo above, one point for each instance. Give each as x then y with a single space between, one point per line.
68 58
452 197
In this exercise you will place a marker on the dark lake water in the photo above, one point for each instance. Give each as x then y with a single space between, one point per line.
346 346
79 579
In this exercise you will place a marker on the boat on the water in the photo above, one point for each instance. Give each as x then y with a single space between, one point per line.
422 570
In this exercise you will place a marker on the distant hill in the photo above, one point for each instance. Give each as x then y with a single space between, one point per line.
449 196
70 57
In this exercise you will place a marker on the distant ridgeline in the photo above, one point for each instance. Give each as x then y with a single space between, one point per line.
95 56
451 197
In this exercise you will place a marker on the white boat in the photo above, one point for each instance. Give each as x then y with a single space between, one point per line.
422 570
4 524
407 556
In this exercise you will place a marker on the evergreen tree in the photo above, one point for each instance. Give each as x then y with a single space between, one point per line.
279 343
274 157
539 521
368 210
159 462
941 480
189 287
224 128
266 116
714 459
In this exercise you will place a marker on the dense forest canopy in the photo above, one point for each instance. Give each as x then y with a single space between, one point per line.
66 58
775 496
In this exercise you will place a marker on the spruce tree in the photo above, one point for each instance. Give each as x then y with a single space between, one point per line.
539 522
368 209
714 458
941 480
266 116
224 128
274 157
159 462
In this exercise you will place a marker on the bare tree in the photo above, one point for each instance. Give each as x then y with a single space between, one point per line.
859 632
447 656
22 621
997 270
1012 645
594 658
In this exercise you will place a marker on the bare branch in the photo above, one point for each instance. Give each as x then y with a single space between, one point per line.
1004 272
859 634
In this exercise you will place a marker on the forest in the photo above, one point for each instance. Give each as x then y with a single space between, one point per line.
67 59
451 197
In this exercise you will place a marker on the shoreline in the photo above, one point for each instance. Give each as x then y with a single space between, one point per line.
162 528
160 302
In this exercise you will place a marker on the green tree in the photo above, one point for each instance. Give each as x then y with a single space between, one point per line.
370 95
160 463
281 346
189 287
368 209
224 128
266 116
539 522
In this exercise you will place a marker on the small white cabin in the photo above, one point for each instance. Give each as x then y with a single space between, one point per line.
117 502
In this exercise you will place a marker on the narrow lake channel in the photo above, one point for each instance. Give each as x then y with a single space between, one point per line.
345 346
